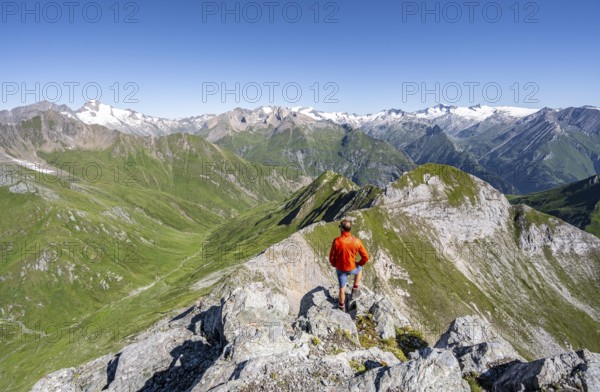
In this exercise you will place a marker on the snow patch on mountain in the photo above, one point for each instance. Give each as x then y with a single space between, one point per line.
452 117
434 112
125 120
478 112
352 119
135 123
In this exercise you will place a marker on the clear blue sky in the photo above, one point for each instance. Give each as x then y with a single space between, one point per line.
374 55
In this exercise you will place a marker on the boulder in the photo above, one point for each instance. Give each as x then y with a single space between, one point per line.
383 315
256 323
324 318
60 381
160 360
570 371
428 370
476 345
251 306
156 358
22 187
480 358
467 331
92 376
296 371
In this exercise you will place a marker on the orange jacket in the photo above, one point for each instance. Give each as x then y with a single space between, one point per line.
343 252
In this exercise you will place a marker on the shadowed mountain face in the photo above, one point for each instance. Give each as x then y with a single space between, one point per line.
546 149
435 146
577 203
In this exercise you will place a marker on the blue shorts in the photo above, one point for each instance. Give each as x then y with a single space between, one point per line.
343 275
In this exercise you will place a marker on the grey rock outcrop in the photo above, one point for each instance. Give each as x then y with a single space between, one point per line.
141 363
385 320
428 370
476 345
386 317
299 373
479 358
245 316
324 319
571 371
244 339
466 331
22 187
59 381
169 359
234 339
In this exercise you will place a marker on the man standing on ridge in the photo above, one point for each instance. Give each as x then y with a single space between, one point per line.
343 258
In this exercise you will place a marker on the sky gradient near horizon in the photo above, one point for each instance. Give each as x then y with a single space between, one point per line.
177 58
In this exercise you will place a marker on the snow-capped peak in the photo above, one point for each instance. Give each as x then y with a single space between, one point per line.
124 120
472 114
434 112
477 112
353 119
98 113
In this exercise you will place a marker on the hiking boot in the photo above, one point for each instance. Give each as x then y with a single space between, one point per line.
355 293
342 307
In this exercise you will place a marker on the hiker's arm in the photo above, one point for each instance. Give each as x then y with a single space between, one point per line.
332 254
364 256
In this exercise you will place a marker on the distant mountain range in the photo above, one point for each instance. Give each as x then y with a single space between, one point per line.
450 118
517 150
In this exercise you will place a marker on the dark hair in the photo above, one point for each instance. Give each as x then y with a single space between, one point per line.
346 225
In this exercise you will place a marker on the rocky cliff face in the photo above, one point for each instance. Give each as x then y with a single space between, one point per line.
444 245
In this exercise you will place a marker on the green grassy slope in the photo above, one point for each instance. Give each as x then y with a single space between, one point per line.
105 248
253 231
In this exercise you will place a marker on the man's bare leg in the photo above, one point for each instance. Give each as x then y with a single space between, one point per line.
342 295
357 278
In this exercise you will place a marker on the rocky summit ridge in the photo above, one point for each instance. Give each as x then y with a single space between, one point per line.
247 339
